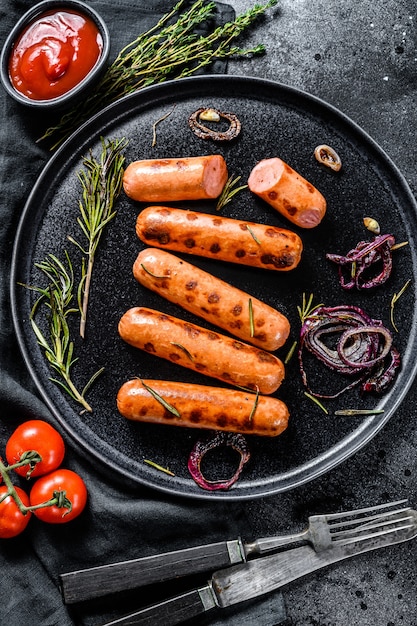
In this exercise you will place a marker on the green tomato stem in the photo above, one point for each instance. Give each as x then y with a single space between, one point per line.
59 498
11 491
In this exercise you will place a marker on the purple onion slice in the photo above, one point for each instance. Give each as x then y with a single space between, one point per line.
362 348
202 446
355 268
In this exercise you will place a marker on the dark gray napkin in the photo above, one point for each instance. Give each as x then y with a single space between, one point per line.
121 521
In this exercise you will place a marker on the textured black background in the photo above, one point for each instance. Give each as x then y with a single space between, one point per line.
362 59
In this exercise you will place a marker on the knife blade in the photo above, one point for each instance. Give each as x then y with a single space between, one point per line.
252 579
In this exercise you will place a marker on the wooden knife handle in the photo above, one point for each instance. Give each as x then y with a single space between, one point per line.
170 612
100 581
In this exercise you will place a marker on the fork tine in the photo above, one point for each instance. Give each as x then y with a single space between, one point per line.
375 529
369 509
366 520
359 538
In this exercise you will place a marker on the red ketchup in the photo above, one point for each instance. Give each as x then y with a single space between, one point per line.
54 53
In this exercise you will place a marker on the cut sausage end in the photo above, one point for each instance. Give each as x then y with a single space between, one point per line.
265 175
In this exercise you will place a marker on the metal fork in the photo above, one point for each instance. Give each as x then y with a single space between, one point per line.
329 529
323 532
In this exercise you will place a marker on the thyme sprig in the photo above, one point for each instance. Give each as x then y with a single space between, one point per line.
170 50
58 297
101 183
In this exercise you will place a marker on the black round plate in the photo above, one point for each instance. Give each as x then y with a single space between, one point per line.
277 120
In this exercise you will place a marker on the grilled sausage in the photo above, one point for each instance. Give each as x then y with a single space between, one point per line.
168 180
211 298
200 406
201 350
221 238
287 192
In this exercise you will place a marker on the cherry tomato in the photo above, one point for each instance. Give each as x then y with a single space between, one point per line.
12 520
44 439
62 484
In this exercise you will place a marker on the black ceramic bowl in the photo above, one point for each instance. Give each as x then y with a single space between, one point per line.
72 95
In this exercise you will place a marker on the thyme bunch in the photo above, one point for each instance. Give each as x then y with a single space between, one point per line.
172 49
101 183
58 297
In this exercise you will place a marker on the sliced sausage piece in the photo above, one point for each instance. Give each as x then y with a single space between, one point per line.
211 298
200 406
201 350
222 238
169 180
288 192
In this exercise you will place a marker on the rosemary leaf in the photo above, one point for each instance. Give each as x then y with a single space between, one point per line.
290 353
145 269
394 300
155 124
255 238
251 319
316 401
351 412
159 467
161 400
170 50
255 405
397 246
184 349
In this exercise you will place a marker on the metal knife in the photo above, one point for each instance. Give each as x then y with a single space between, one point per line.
253 579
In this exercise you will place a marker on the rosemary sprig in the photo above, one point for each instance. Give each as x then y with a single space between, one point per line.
101 183
170 50
394 300
58 297
307 308
229 190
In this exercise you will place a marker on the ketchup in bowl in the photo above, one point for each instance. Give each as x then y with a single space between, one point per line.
54 53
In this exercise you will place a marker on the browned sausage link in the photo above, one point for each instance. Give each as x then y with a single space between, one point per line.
288 192
201 350
221 238
203 132
200 406
211 298
176 179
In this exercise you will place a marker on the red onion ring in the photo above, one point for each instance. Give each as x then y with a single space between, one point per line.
201 447
356 262
363 346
